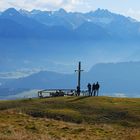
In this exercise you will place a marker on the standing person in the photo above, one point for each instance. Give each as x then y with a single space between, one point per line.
93 89
89 89
97 88
78 91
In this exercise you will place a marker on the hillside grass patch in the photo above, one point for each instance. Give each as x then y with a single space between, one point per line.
70 118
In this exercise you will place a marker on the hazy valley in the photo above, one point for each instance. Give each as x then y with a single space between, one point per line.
41 48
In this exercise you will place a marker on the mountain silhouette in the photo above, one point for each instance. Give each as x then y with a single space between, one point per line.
113 78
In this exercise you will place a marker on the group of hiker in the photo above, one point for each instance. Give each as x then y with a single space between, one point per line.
93 90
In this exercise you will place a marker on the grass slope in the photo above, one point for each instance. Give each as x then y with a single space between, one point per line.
69 118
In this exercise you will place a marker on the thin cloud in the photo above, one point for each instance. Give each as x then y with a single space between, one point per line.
69 5
133 13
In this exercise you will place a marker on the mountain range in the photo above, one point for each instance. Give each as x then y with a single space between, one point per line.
58 39
97 25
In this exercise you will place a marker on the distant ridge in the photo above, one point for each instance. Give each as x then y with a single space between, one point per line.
114 78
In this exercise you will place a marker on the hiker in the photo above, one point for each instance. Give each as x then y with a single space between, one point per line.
78 91
93 90
89 89
97 86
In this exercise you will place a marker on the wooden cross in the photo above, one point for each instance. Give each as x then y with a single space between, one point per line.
79 75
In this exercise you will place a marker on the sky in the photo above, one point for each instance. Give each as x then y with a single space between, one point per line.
126 7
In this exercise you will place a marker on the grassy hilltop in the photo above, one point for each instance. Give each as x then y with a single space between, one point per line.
70 118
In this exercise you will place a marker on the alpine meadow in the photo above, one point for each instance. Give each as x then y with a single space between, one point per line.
69 70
